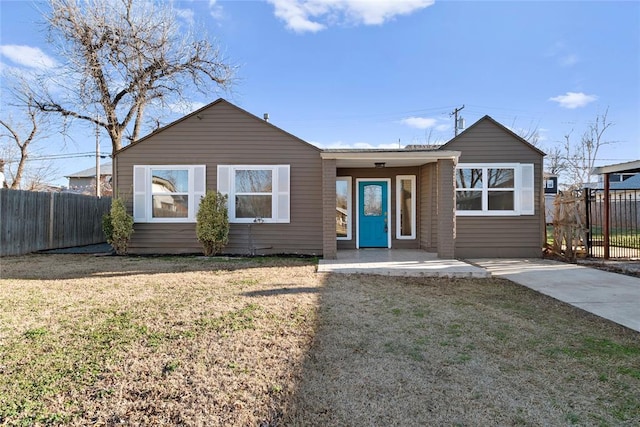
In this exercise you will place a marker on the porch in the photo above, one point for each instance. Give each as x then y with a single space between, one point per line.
398 262
379 198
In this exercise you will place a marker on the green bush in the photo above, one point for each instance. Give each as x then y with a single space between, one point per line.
119 234
107 227
212 223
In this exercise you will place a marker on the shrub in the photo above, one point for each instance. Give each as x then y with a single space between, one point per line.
212 223
107 227
121 227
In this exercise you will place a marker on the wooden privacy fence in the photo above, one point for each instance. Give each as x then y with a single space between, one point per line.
33 221
570 225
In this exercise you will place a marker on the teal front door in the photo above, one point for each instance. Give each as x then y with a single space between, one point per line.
373 218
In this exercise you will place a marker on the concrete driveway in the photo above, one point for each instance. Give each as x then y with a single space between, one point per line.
610 295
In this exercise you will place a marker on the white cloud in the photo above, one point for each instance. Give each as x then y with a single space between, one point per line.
419 122
563 54
569 60
426 123
359 145
27 56
187 14
295 14
215 9
314 15
573 100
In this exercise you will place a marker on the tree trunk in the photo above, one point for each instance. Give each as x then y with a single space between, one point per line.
15 185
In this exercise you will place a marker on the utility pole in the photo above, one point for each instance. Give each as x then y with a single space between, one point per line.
97 161
455 123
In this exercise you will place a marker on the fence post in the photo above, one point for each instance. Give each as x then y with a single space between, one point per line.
51 216
607 208
587 210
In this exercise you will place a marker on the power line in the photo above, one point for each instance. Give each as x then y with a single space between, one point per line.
59 157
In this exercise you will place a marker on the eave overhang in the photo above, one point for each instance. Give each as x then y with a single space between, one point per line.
390 158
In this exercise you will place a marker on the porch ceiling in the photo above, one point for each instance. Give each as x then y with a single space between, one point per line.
390 158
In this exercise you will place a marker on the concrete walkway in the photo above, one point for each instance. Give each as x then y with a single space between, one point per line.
610 295
398 262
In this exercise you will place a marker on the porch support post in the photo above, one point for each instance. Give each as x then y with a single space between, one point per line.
329 242
446 209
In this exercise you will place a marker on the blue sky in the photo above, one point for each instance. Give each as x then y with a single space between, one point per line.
342 73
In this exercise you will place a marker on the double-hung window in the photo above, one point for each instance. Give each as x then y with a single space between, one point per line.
167 193
257 193
494 189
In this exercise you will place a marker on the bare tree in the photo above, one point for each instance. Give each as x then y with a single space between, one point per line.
554 161
530 134
580 158
121 57
22 135
38 176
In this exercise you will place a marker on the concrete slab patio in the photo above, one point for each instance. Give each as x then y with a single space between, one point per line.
610 295
398 262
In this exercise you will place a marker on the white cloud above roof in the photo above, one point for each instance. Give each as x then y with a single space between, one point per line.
358 145
420 122
27 56
315 15
572 100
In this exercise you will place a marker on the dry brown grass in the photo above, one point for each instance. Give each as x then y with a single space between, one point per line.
151 341
413 352
192 341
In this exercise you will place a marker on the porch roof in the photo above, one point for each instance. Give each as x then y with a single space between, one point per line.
367 158
632 166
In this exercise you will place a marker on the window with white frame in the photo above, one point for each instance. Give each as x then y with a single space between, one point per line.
406 207
167 193
343 208
257 193
494 189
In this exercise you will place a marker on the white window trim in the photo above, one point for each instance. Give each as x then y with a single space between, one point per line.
144 195
348 180
518 187
399 179
358 181
277 194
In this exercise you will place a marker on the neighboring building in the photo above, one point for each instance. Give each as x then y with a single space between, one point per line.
479 195
622 176
550 193
85 180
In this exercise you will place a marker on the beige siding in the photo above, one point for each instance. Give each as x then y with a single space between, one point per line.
503 236
391 173
427 209
329 243
446 209
224 134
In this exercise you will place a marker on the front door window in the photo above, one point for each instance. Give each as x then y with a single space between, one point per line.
373 200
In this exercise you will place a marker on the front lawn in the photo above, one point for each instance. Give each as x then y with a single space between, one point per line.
193 341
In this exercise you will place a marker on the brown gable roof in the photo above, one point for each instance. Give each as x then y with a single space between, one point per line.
502 127
198 111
